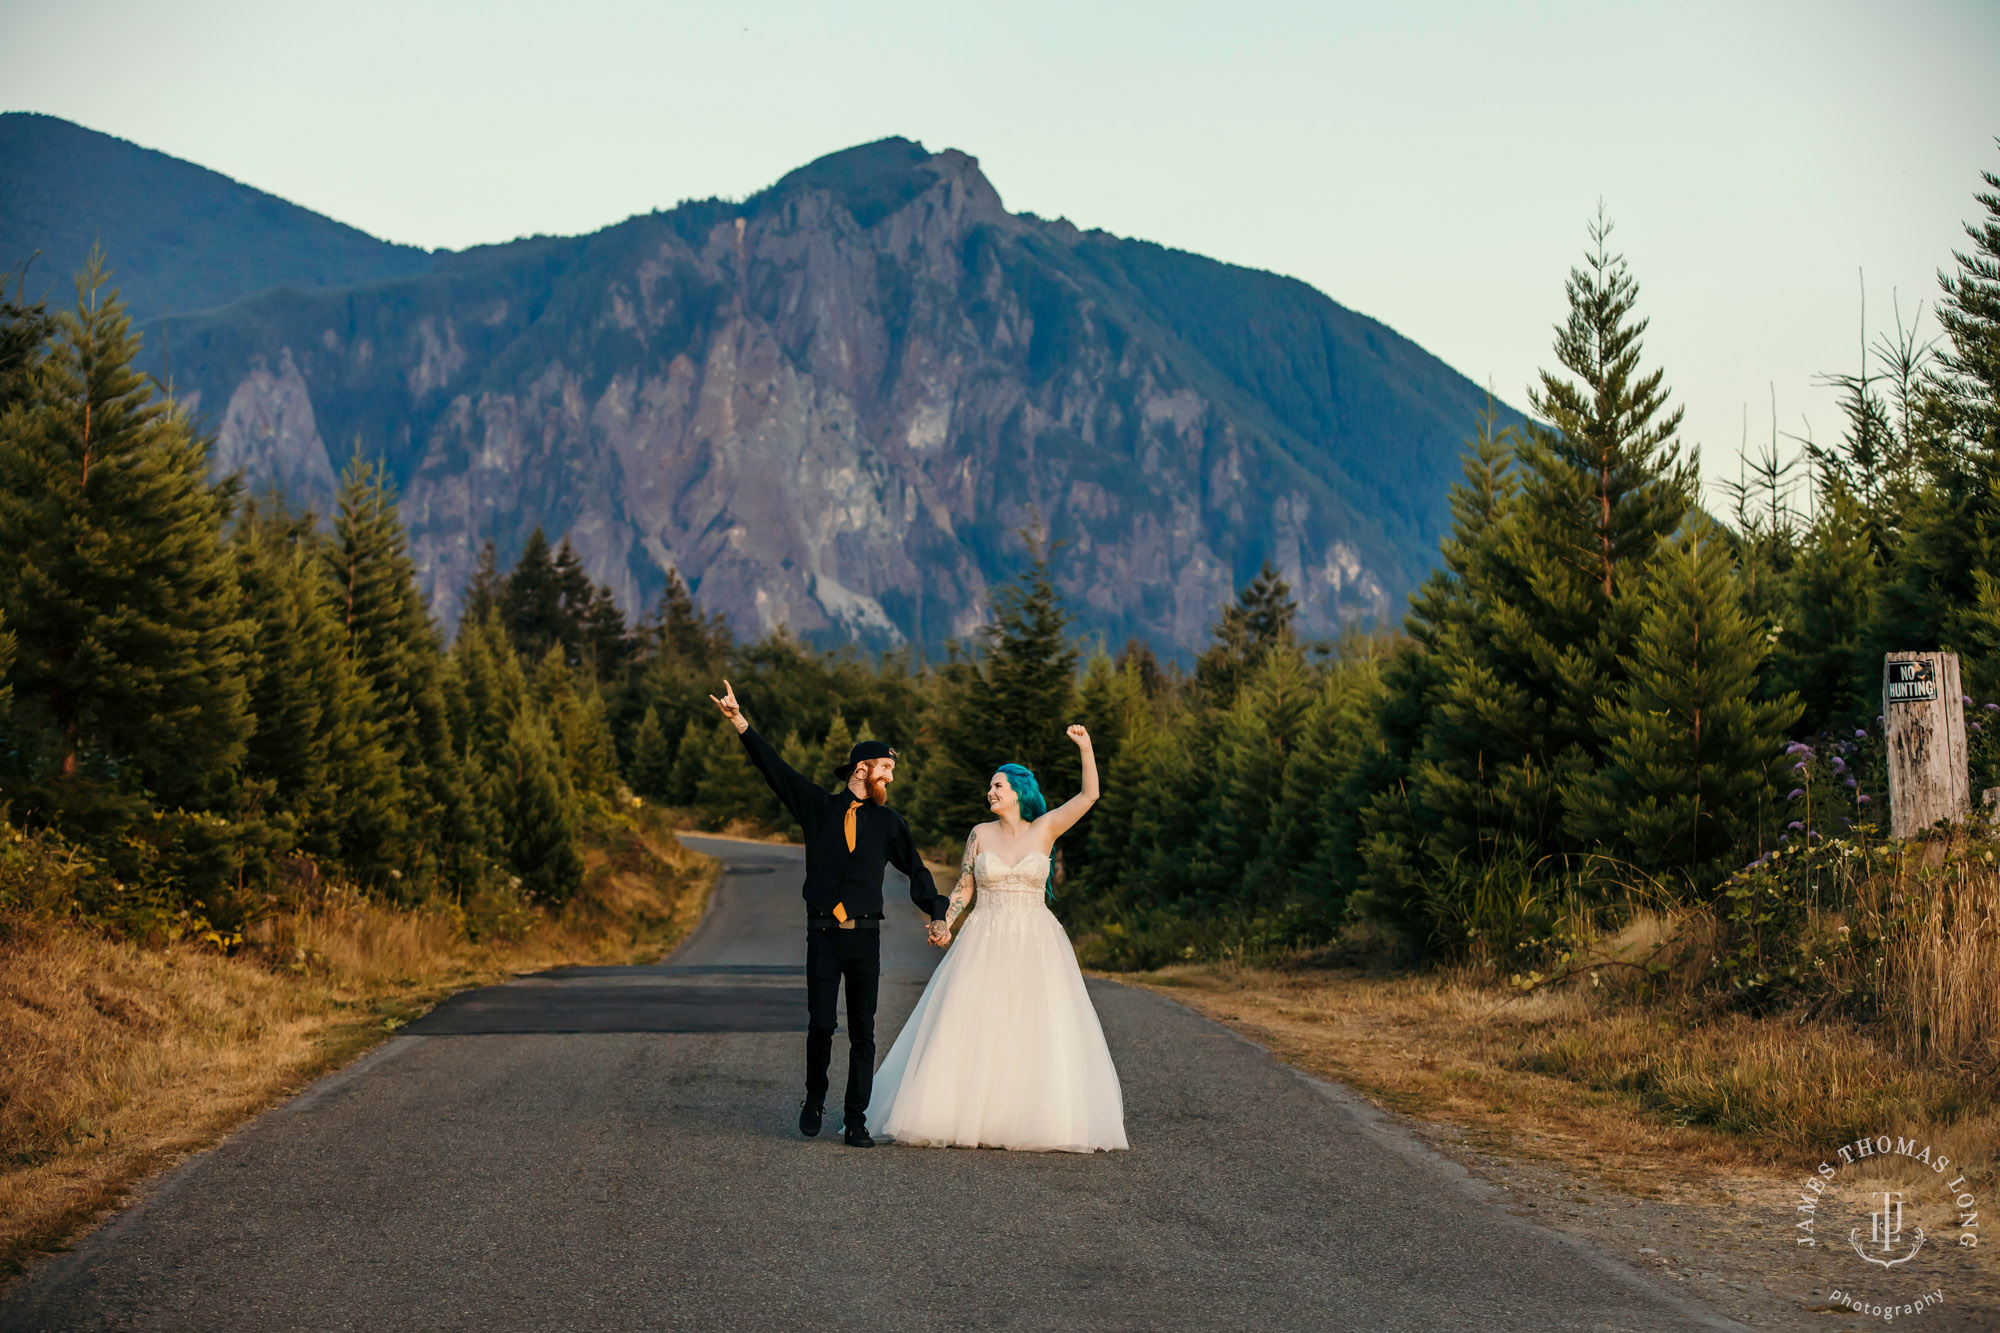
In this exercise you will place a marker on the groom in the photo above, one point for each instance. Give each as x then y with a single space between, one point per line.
850 834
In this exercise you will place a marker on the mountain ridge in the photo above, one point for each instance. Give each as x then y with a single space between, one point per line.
207 239
831 405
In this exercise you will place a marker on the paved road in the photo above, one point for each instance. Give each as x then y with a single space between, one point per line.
613 1148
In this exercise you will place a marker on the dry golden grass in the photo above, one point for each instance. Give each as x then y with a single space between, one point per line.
1652 1098
120 1059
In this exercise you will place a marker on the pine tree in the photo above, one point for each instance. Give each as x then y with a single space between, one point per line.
531 603
1011 704
1257 740
482 592
652 758
1600 486
1690 748
396 653
1965 391
291 663
1822 615
832 751
690 768
1335 765
122 600
575 712
25 330
1258 621
1945 587
728 787
539 813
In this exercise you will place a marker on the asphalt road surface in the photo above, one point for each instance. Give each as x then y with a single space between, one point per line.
615 1148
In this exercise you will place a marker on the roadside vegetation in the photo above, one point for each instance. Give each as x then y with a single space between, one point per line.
123 1056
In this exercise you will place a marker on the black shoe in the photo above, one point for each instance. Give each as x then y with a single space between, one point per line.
810 1115
857 1136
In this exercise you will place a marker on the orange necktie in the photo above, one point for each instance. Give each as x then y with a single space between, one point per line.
847 826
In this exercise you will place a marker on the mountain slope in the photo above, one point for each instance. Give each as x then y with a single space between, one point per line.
833 405
179 237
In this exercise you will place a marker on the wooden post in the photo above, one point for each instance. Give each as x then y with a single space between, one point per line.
1924 720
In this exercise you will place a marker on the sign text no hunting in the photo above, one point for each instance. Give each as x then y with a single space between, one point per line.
1910 682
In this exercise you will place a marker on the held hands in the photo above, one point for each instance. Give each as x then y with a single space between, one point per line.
730 708
939 934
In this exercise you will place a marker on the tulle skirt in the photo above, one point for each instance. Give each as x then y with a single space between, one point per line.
1004 1049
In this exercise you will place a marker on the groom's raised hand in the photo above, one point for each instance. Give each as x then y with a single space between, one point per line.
730 708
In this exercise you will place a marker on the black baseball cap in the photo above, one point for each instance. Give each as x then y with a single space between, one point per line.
862 752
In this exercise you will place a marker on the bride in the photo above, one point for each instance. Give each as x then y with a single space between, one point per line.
1004 1049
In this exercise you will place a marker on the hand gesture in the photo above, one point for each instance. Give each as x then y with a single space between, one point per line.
940 934
1078 734
730 708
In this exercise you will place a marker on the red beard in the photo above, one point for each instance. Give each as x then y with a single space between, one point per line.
878 790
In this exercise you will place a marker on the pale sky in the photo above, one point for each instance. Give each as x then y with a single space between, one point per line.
1430 165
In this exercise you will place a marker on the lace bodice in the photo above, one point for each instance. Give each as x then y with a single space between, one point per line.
1001 887
1029 875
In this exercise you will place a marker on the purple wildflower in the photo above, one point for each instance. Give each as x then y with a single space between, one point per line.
1861 735
1796 824
1812 834
1849 780
1839 764
1784 838
1993 708
1862 799
1975 726
1795 793
1799 767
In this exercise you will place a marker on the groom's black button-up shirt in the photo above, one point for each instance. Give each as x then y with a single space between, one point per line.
834 874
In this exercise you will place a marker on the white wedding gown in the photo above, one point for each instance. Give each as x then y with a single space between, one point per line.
1004 1049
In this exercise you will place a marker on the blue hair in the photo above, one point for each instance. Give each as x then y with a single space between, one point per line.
1033 804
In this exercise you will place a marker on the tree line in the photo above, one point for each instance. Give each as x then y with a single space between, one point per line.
1605 693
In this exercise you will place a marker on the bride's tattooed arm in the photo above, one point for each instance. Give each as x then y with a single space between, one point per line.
961 893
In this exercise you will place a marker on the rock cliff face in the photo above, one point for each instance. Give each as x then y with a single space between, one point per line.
832 406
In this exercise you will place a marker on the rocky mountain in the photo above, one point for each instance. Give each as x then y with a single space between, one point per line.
181 237
833 405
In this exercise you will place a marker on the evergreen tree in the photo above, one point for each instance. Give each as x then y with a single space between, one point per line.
291 666
1599 487
397 655
1965 390
1258 621
728 787
652 758
531 603
1945 590
539 813
1316 828
482 593
690 763
575 711
1690 748
1256 742
25 330
122 600
1010 705
832 752
1820 622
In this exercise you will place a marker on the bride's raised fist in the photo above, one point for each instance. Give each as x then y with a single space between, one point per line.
1076 733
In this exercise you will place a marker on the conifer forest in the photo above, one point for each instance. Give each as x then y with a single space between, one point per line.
1615 694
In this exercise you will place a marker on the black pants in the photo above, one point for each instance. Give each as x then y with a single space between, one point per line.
834 955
